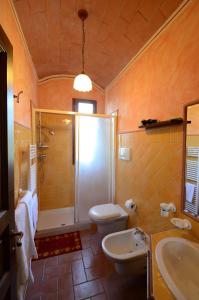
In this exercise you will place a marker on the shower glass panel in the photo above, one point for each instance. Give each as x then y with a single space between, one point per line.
55 167
94 165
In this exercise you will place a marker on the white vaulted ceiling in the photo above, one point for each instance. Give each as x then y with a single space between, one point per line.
115 31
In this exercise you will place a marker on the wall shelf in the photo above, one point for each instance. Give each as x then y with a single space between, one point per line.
171 122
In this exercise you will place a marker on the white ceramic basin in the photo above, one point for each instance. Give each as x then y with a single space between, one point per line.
128 250
178 262
124 245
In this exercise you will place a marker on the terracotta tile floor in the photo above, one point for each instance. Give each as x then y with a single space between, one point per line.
85 274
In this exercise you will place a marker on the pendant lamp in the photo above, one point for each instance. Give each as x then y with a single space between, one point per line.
82 82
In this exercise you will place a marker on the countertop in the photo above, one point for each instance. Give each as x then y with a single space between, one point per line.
159 288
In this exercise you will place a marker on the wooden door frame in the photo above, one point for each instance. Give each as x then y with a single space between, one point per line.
7 166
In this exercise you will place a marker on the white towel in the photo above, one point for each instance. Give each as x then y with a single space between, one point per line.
190 188
35 211
28 201
28 250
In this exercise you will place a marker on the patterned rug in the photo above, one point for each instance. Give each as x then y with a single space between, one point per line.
58 244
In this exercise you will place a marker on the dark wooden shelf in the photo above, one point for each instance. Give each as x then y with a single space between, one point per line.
171 122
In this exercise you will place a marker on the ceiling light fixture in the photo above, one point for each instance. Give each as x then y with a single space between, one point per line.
82 82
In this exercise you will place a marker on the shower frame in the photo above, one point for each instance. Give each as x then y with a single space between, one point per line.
113 116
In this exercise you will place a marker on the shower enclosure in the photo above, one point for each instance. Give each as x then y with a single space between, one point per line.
75 166
55 170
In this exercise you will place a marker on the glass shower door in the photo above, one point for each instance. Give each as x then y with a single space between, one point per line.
94 163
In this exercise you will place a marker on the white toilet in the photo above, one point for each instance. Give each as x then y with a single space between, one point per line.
128 250
108 217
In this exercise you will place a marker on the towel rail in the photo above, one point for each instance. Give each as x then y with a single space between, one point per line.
33 169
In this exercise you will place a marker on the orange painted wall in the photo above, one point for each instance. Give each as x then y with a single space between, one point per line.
156 85
163 78
58 93
24 76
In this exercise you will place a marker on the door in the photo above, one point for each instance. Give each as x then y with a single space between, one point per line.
7 243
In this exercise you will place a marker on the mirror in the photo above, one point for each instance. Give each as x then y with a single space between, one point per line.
191 194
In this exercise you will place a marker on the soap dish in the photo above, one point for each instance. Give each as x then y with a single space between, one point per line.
181 223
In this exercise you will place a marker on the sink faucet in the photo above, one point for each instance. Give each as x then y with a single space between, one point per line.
165 208
141 233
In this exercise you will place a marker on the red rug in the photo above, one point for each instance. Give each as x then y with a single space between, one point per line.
58 244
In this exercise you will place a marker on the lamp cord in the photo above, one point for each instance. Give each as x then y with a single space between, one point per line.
83 45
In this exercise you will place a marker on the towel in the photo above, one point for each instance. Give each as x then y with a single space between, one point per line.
28 201
27 251
190 188
35 211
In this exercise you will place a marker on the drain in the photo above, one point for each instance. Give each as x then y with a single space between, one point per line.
63 224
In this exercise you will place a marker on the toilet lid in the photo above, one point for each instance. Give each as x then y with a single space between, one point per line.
104 212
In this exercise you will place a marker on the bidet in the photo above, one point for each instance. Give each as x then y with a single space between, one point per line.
128 250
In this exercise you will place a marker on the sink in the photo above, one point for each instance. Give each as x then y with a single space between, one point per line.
178 262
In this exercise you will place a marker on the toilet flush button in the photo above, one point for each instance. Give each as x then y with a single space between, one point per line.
124 154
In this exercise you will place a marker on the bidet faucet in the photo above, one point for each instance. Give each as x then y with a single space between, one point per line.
141 233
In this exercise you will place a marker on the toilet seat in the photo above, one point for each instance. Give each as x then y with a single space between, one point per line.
104 212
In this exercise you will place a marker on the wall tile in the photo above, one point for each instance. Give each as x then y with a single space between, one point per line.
152 175
56 171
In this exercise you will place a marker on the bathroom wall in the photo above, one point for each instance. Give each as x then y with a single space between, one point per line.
156 85
57 94
24 78
153 175
163 78
24 75
56 171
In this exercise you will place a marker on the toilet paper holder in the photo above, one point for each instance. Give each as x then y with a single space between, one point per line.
130 204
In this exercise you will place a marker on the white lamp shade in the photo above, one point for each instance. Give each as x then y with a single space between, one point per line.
82 83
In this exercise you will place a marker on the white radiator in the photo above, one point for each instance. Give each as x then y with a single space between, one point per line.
33 168
33 152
